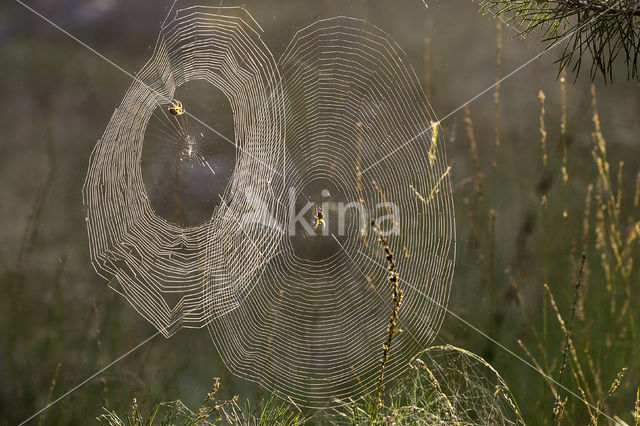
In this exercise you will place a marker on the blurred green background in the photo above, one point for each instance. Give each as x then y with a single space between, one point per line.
57 97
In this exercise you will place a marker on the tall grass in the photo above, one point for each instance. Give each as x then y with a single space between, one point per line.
591 185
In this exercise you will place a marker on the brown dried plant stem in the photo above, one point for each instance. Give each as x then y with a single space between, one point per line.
496 89
567 339
543 130
427 67
52 387
393 319
103 380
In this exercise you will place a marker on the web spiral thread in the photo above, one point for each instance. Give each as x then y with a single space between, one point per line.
302 311
184 276
314 325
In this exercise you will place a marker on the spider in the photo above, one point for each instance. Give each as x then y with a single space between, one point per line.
176 108
319 218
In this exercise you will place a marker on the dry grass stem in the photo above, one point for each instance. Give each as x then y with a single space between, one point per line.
393 318
496 89
434 191
543 131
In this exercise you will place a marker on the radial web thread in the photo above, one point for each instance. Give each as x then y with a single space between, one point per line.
302 313
208 266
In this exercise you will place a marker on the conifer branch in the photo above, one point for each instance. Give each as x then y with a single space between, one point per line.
607 31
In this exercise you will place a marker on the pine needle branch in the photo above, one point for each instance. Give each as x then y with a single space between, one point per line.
606 30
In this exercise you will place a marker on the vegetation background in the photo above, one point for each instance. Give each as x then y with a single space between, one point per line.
520 223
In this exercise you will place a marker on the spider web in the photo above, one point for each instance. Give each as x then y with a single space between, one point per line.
183 276
314 325
302 312
450 385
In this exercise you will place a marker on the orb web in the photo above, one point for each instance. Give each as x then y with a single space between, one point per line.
450 385
175 275
313 326
302 311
